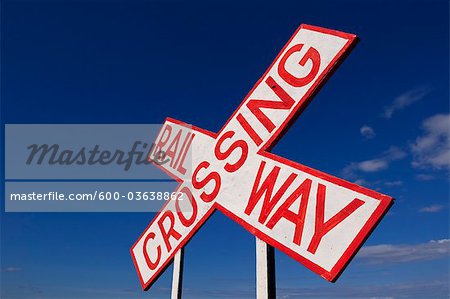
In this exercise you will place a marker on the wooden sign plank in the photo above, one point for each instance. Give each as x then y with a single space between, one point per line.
317 219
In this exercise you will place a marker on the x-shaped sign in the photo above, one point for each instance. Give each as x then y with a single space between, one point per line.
317 219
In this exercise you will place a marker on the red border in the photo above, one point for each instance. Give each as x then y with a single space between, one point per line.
386 201
194 229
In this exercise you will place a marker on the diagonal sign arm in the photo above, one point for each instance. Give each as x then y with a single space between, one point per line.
316 218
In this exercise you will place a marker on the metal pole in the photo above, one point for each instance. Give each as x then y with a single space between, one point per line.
265 271
177 278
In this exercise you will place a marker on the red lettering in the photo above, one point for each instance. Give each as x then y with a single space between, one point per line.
182 148
250 131
223 155
312 54
321 227
180 168
171 232
186 221
266 188
150 264
213 176
162 141
255 105
298 219
172 149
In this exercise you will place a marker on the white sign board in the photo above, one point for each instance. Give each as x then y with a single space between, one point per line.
317 219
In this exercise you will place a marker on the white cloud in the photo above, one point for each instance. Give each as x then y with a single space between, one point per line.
424 177
290 288
393 183
367 132
404 100
432 209
394 153
387 253
362 182
374 165
425 288
12 269
432 148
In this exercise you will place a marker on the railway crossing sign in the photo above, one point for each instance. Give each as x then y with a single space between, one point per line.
317 219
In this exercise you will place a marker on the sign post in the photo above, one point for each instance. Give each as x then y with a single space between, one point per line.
265 270
177 278
317 219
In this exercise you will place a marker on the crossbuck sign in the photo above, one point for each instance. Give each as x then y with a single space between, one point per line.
315 218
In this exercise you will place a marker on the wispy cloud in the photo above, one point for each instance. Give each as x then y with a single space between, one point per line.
418 289
12 269
432 148
432 209
404 100
388 253
367 132
393 183
374 165
424 177
361 182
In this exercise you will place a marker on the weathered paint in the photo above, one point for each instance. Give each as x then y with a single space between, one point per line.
317 219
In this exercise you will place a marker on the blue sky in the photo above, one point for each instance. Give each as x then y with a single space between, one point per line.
382 120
